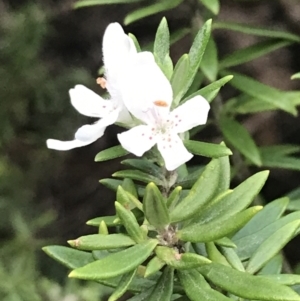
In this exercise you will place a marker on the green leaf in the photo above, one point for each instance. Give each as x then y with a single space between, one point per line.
239 137
129 186
143 295
214 179
117 263
164 287
174 197
144 165
278 157
296 76
123 285
285 279
181 71
101 242
128 200
111 153
273 266
188 181
207 149
247 245
197 51
245 285
212 5
209 64
135 41
232 258
84 3
137 175
294 197
197 288
271 246
162 41
270 213
217 228
225 242
252 52
180 261
210 91
68 257
155 207
214 254
130 223
109 221
240 198
150 10
153 266
252 30
262 92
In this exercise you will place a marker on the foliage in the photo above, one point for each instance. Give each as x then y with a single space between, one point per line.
190 234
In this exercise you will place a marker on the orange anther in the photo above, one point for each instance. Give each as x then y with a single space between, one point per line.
102 82
160 103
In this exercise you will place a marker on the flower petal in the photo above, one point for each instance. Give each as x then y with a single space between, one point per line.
173 151
137 140
192 113
88 103
117 47
65 145
144 85
91 132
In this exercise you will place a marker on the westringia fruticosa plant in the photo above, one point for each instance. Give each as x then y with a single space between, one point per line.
179 233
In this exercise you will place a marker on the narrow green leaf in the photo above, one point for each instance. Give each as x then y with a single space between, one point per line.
285 279
232 258
212 5
252 52
129 186
225 242
137 175
68 257
135 41
280 150
214 254
144 165
273 266
270 213
103 228
181 71
117 263
240 138
271 246
240 198
153 266
164 287
217 228
128 200
205 149
162 41
294 197
262 92
212 181
150 10
130 223
124 283
197 288
155 207
174 197
252 30
247 245
296 76
209 64
180 261
210 91
84 3
109 221
245 285
101 242
143 295
111 153
188 181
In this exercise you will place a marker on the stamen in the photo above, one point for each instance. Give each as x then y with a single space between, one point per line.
102 82
160 103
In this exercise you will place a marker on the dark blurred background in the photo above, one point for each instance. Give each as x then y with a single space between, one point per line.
46 196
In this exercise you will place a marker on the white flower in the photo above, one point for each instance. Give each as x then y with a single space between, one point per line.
118 50
150 102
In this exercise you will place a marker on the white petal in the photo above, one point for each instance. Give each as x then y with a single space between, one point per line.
117 47
145 84
137 140
192 113
65 145
91 132
88 103
173 151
